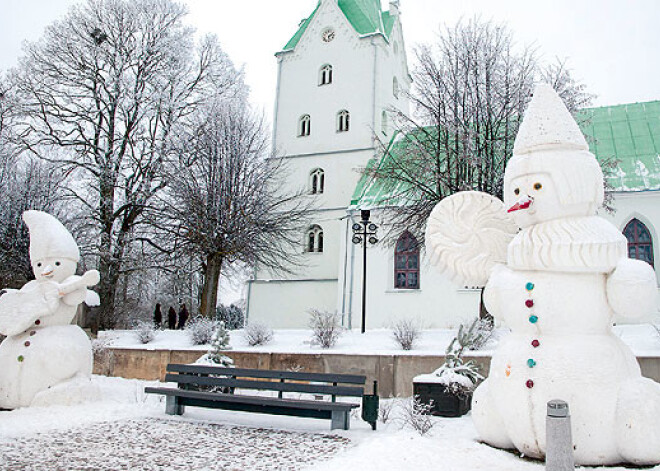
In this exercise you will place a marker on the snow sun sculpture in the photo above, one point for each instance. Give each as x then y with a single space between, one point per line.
42 348
557 284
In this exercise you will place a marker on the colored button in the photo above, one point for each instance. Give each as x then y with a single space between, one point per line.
531 363
533 319
529 286
37 322
529 383
27 343
20 358
32 332
535 343
529 303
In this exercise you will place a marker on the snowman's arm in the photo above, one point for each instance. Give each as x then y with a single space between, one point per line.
632 289
74 289
20 308
492 294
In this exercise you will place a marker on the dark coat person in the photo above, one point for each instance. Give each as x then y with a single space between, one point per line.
158 316
183 317
171 318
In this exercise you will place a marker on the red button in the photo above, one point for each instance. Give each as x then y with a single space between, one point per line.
27 343
535 343
37 322
529 303
530 383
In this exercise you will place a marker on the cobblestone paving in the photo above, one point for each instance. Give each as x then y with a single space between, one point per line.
158 444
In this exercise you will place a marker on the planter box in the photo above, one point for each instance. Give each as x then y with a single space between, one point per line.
444 403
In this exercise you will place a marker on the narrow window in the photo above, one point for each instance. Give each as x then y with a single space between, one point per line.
325 75
304 126
317 181
383 123
406 262
640 243
343 121
395 87
314 239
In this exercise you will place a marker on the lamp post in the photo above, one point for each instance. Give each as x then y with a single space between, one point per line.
364 232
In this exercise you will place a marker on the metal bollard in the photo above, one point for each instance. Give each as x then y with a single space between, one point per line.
558 440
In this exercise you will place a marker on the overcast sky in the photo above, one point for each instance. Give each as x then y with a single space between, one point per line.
613 46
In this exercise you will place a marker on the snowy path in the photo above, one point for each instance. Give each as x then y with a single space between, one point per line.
157 444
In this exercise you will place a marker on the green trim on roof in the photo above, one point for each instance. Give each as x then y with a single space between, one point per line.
365 16
301 29
629 133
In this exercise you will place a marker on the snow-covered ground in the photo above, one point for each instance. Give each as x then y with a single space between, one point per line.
643 339
126 429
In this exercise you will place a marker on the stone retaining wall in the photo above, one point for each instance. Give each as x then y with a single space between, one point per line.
394 373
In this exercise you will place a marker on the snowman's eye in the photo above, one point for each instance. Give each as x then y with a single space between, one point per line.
537 186
517 191
57 264
39 264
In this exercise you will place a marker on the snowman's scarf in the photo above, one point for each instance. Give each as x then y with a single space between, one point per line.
585 244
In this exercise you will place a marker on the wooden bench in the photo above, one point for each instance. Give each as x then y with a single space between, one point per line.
196 381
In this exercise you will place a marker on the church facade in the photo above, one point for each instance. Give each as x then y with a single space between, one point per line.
338 76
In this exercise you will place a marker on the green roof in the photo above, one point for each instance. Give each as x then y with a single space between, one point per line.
628 133
365 16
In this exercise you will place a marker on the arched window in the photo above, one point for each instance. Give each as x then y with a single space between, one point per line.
406 262
304 126
395 87
640 243
317 181
343 118
325 75
383 123
314 239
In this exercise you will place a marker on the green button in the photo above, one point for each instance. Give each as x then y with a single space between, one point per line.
531 363
20 358
533 319
529 286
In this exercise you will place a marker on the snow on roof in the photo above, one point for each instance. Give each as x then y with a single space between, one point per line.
628 133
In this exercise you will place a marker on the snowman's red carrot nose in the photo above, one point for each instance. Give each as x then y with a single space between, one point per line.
522 203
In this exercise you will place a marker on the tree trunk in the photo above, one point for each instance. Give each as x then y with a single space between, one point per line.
210 289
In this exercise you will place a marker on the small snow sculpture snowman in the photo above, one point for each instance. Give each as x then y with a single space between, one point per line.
42 348
557 284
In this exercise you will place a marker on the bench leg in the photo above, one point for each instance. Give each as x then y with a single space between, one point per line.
341 419
172 406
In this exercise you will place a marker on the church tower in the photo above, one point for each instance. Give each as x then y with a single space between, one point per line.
338 77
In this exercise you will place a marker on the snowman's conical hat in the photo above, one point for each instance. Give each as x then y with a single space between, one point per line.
548 125
49 238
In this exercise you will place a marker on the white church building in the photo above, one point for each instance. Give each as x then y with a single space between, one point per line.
337 76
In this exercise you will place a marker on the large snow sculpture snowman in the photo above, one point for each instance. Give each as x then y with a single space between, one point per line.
42 349
556 283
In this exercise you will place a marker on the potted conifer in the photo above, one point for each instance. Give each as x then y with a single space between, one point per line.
448 390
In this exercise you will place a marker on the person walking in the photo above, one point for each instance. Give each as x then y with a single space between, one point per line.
183 317
171 318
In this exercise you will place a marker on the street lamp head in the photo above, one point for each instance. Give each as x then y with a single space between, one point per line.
372 227
357 227
357 239
373 240
365 213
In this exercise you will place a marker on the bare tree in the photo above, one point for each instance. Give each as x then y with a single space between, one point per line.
470 90
224 202
109 85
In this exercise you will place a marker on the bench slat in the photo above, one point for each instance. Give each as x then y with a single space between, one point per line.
266 385
275 374
252 400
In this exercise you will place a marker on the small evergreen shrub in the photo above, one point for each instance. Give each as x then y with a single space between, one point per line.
201 329
406 332
232 315
145 331
325 326
258 333
476 335
219 344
